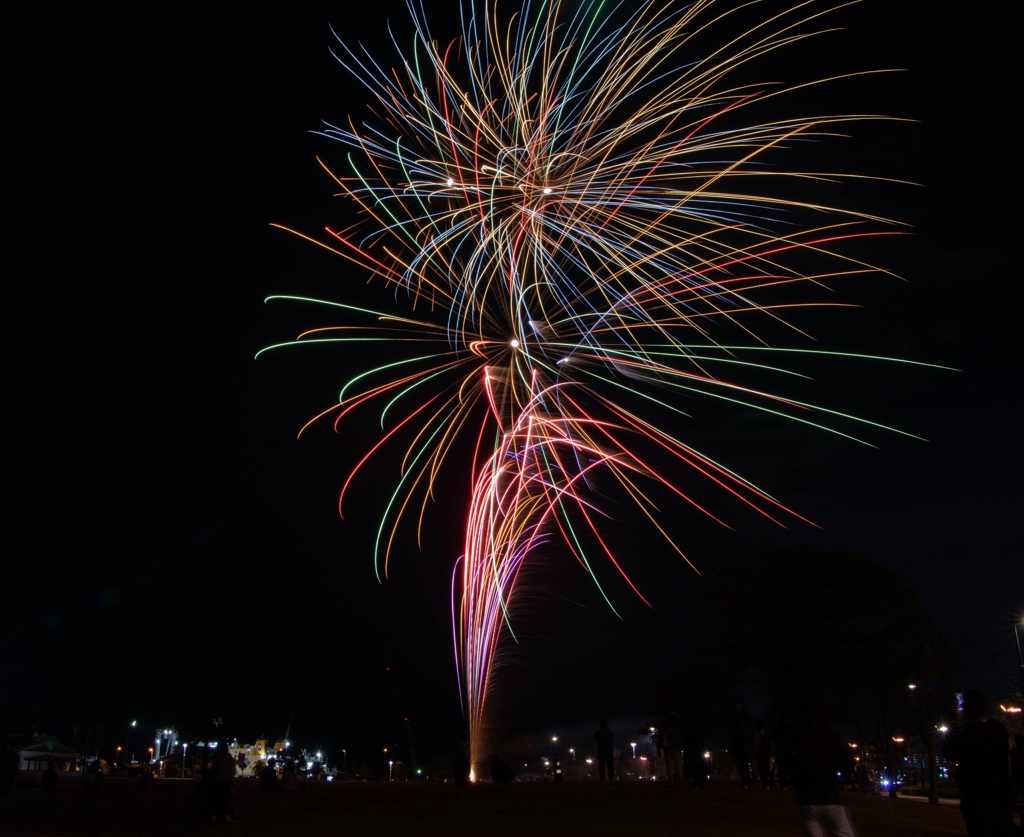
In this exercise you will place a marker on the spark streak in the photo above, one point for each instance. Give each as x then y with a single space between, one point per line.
586 213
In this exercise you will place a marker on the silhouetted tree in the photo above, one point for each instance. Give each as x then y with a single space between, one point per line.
940 666
806 623
19 722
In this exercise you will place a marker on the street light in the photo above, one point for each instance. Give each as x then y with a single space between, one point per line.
1020 659
184 748
128 741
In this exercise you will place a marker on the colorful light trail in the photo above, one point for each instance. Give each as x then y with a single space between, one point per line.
582 211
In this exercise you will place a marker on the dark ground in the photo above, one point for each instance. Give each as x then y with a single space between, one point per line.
427 809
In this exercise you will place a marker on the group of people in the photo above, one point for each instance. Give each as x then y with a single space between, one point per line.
288 780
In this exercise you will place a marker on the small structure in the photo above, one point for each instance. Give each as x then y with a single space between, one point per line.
44 751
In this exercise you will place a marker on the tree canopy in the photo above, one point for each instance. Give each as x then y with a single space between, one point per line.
802 622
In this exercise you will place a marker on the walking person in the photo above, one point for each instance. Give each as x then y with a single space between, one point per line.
817 758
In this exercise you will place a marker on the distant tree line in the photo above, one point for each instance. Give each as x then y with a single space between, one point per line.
797 625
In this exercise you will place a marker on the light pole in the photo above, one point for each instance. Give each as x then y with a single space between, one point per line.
128 741
633 745
1020 659
184 748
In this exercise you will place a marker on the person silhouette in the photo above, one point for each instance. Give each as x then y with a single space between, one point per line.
289 777
763 755
1017 765
500 771
670 742
49 779
146 781
817 759
605 751
94 776
9 760
221 773
980 749
460 769
740 737
268 776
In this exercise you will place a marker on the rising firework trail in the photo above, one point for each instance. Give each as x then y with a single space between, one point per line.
583 214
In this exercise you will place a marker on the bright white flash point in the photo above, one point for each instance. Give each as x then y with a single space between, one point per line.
514 344
451 181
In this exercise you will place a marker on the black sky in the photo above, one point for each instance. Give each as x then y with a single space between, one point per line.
176 553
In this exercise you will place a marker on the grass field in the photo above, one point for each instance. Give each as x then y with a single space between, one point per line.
426 810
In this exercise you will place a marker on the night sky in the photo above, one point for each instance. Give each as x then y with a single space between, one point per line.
176 553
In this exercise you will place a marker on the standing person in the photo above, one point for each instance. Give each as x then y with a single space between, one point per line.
980 748
605 751
221 773
1017 764
740 736
9 760
671 745
94 776
460 769
501 772
289 777
146 781
268 776
696 757
816 758
763 754
50 779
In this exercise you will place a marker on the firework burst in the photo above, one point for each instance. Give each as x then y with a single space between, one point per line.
580 211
